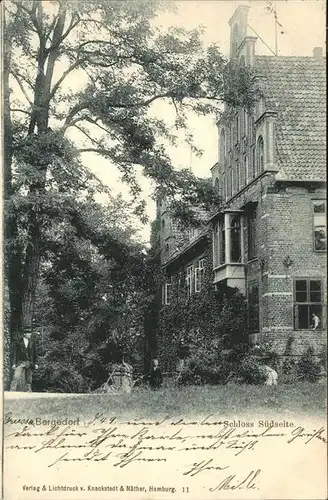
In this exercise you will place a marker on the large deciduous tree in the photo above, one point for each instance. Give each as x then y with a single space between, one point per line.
83 77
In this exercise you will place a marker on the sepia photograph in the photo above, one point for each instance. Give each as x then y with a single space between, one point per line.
164 230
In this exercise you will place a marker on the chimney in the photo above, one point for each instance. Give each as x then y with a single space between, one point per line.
317 53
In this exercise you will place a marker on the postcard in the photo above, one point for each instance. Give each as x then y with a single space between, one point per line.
165 239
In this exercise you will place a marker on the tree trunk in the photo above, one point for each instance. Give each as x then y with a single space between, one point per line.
31 270
39 119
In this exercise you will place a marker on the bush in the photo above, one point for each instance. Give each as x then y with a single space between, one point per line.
201 367
250 371
211 364
58 377
308 369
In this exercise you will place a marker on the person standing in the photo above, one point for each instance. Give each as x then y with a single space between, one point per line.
155 376
315 321
24 362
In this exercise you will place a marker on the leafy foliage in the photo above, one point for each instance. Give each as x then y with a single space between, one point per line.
308 367
208 321
124 64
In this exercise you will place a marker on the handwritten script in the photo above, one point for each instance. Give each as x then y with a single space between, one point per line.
229 455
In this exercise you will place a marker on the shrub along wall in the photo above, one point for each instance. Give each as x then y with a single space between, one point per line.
208 321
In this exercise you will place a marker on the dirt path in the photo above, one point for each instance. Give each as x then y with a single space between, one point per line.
32 395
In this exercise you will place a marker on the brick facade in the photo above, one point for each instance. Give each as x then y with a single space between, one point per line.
271 175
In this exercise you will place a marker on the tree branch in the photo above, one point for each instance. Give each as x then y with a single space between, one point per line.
18 110
99 151
74 111
95 122
86 134
62 78
24 78
71 26
105 42
21 87
31 14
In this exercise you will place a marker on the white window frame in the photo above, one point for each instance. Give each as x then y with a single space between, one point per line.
199 273
166 290
189 275
319 220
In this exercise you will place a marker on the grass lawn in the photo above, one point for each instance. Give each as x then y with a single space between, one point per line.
231 400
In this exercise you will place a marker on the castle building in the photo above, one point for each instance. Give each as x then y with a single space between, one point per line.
268 238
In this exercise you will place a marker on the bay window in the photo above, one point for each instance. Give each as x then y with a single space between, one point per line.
227 240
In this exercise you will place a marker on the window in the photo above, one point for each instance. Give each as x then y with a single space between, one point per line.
319 225
231 136
308 306
253 308
229 183
245 122
193 233
223 186
167 292
253 166
222 236
216 246
235 239
222 147
245 170
260 155
251 128
251 234
217 184
236 175
199 273
189 280
236 129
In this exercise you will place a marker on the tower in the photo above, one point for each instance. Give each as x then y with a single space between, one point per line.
242 46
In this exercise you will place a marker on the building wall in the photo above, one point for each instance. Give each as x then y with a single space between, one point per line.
289 254
285 252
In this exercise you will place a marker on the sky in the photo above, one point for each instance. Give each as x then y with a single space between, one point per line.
303 26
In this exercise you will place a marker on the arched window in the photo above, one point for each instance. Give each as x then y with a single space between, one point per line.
223 186
242 61
222 147
260 154
217 184
163 223
246 172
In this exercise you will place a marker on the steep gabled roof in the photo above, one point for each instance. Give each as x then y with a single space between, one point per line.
295 87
